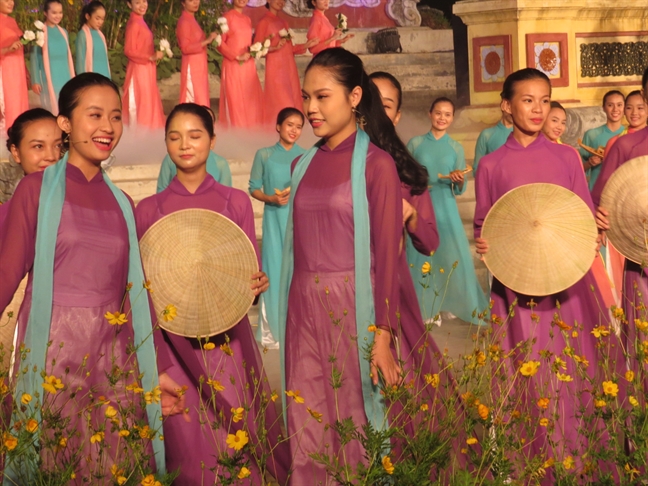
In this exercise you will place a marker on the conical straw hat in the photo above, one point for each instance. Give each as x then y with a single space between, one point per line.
625 196
201 262
541 239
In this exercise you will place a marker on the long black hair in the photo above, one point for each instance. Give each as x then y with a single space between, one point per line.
89 9
394 82
16 132
348 70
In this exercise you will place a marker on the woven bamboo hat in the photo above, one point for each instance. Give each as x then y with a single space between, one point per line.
541 239
625 196
201 262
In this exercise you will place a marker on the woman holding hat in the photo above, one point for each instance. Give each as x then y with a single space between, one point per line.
541 326
227 387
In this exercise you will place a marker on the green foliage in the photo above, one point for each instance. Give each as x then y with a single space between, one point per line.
162 16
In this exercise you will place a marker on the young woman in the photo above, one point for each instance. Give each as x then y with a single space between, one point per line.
454 290
270 184
13 95
613 106
556 123
241 96
341 266
636 113
194 448
142 102
194 75
217 166
282 88
635 283
34 141
91 49
73 228
532 329
321 29
51 65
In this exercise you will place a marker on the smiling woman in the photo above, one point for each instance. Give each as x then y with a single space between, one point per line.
74 231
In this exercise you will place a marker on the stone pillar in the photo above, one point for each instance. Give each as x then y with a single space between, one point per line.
586 47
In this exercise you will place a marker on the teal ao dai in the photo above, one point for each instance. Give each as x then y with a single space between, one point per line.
270 171
456 291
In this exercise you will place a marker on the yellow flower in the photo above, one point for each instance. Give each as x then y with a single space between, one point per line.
548 463
543 402
564 377
97 437
209 346
426 268
424 407
641 325
471 441
150 481
387 465
633 401
237 441
169 313
110 412
599 403
600 331
563 325
372 328
124 433
244 473
560 363
582 360
52 384
544 421
610 388
31 426
145 432
147 286
63 442
153 396
10 441
432 380
26 398
225 348
121 480
316 415
483 411
216 385
441 270
274 396
116 318
574 334
631 471
629 375
529 368
237 414
135 388
295 396
3 387
569 462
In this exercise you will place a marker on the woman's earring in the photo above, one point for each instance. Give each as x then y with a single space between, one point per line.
360 119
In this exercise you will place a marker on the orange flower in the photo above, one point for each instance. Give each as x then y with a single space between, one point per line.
471 441
10 441
117 318
97 437
244 473
295 396
209 346
387 465
225 348
237 441
316 415
52 384
483 411
544 421
610 388
237 414
629 375
432 380
543 402
31 426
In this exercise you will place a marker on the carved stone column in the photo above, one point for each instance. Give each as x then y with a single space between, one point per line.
404 12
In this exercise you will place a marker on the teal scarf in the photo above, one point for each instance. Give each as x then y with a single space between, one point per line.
364 299
50 208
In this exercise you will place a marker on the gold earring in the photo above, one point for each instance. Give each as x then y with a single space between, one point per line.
360 119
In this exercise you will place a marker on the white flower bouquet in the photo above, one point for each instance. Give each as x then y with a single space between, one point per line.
342 22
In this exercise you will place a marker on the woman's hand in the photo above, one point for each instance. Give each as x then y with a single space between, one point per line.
172 397
410 216
36 88
260 283
457 176
482 246
594 160
382 360
312 42
157 56
280 199
243 57
602 222
347 38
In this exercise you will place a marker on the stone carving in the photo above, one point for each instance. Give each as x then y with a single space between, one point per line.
299 8
404 12
10 175
613 59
